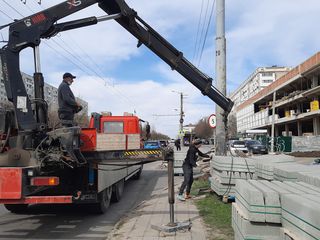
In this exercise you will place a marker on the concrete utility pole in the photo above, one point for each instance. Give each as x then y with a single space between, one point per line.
181 116
272 124
220 139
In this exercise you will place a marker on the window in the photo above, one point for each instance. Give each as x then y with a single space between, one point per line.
267 74
268 81
113 127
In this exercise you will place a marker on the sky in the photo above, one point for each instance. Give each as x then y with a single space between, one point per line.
114 75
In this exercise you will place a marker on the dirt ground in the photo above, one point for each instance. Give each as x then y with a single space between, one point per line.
315 154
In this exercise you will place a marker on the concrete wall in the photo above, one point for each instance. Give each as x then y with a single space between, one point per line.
305 143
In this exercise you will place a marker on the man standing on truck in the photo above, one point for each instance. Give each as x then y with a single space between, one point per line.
187 167
67 102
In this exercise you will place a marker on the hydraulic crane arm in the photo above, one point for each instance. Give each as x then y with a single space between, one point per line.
161 47
28 31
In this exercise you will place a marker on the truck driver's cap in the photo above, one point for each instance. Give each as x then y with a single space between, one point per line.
68 75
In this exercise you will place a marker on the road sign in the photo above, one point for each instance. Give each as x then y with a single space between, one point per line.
212 120
181 133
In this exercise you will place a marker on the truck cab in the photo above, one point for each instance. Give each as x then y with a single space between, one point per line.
107 132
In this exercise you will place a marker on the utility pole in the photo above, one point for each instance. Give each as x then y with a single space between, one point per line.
181 116
272 124
220 139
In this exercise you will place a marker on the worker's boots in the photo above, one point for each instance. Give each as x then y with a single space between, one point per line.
187 196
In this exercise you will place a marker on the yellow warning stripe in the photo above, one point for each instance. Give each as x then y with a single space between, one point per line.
135 153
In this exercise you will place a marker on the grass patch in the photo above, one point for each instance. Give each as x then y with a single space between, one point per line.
215 213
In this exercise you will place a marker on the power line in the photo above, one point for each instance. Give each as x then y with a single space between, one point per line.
85 69
6 14
203 28
198 28
12 8
207 30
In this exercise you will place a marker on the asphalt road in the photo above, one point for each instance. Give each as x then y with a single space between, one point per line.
71 222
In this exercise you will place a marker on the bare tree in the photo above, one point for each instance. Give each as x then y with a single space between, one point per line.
202 129
82 119
158 136
232 126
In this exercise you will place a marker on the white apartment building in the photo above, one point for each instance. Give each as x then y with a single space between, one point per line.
258 80
297 96
261 78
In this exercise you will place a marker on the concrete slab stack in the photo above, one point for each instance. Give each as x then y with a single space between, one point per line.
278 210
272 206
312 178
301 216
265 164
221 189
250 201
225 170
286 235
244 229
291 173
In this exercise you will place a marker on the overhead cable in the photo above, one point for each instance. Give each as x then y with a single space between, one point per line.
206 34
202 30
198 29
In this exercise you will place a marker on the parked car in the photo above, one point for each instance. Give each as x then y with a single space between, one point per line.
256 147
152 145
238 146
205 141
163 143
186 143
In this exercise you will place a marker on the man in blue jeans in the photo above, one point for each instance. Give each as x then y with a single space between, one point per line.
188 165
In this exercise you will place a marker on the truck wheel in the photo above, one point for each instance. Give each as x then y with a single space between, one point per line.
16 208
104 199
137 175
117 191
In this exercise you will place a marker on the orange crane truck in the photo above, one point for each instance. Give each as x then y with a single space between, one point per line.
73 165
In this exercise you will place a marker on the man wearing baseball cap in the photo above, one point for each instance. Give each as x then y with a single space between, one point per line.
187 167
67 102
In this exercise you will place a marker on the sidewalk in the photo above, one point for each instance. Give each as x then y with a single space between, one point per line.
155 211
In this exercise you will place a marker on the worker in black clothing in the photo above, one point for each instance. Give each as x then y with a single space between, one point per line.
177 143
67 102
187 166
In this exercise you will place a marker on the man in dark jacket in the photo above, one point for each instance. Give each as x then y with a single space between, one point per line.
67 102
177 144
188 164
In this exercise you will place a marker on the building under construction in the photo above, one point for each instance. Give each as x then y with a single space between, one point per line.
296 103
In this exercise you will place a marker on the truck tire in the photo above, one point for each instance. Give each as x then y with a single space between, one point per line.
103 203
117 191
16 208
137 175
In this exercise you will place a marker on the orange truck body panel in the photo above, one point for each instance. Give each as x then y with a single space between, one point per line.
39 200
89 138
10 183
